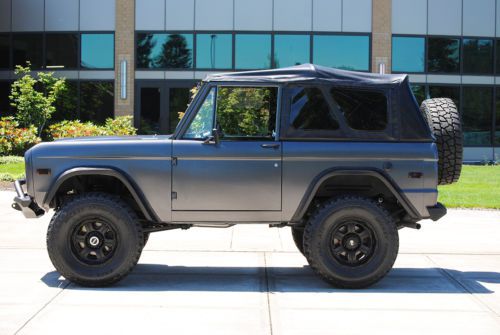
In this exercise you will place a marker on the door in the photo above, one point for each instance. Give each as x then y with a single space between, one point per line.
159 104
241 171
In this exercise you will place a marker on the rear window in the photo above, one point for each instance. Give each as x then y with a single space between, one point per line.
309 110
362 109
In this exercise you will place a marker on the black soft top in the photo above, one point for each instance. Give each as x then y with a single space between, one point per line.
406 120
310 73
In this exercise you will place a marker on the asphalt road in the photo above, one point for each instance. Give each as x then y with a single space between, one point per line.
251 280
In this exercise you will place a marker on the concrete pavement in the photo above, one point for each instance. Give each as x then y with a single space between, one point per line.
251 280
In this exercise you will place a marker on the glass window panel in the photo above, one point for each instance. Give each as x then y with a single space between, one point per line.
497 118
4 98
497 42
342 52
203 123
97 51
61 51
309 110
166 51
96 101
408 54
477 115
290 50
214 51
178 102
28 47
67 103
452 92
443 55
150 111
478 56
418 92
253 51
4 51
247 112
362 109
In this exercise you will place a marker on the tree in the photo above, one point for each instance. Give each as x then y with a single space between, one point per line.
145 45
175 53
34 98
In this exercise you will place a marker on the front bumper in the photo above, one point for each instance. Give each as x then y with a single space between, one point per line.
436 212
24 203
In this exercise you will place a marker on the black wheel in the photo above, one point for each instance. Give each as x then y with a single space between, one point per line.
94 240
298 238
444 121
351 242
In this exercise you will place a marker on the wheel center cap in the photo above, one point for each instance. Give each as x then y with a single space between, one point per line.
351 242
94 241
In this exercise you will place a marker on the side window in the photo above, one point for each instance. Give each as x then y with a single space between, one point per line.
246 113
203 123
362 109
309 110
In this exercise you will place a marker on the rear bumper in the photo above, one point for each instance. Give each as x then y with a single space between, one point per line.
24 203
436 212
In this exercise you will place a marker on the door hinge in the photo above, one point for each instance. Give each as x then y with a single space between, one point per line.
174 195
174 161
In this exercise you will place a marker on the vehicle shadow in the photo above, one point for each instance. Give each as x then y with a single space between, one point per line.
159 277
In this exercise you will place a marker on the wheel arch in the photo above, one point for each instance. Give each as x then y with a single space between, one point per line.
119 175
328 174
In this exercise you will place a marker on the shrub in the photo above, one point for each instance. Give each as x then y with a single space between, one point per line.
15 140
113 127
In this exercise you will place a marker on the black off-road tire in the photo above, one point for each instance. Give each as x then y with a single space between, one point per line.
445 123
68 228
298 238
369 218
146 239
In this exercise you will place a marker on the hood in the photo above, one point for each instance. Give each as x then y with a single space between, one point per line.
114 138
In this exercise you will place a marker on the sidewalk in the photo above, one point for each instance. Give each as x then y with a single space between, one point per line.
251 280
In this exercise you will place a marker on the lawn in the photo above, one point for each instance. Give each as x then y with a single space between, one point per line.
478 187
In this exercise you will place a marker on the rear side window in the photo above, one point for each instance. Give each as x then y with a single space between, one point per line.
309 110
362 109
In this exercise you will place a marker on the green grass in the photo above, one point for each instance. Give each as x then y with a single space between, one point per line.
478 187
11 168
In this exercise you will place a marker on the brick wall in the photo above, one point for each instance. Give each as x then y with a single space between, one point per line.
124 50
381 34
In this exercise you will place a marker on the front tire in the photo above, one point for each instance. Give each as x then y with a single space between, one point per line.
94 240
351 242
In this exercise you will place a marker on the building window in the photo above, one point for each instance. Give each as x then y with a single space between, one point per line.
477 115
96 101
177 103
61 51
497 118
418 92
164 51
290 50
477 56
408 54
252 51
97 51
362 109
4 51
28 48
5 107
443 55
342 52
67 103
214 51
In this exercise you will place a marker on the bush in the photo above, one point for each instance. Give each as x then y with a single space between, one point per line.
15 140
113 127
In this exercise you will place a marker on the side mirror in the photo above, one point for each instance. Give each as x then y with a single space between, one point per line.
215 137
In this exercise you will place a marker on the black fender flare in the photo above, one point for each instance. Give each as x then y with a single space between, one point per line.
379 174
136 192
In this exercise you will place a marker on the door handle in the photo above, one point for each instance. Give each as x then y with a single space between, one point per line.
270 146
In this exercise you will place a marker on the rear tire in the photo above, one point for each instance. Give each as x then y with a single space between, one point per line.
94 240
351 242
445 123
298 238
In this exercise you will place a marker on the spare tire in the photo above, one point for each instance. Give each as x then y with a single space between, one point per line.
444 121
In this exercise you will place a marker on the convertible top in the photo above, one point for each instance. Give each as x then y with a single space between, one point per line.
310 73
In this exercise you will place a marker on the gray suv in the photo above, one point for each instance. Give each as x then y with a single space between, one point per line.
344 159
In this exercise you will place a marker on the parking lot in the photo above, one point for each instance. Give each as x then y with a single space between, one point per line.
250 279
